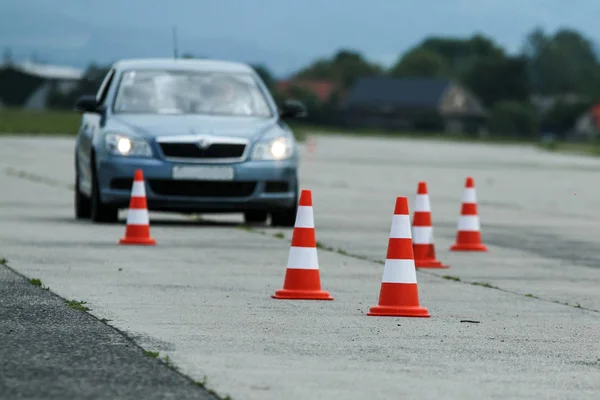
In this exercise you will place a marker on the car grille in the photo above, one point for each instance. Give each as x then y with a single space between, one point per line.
209 188
276 187
169 187
214 152
121 183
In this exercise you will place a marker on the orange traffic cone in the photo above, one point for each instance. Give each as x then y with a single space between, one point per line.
422 231
138 222
468 237
399 295
302 277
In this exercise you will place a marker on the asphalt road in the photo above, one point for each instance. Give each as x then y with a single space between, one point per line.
202 296
51 351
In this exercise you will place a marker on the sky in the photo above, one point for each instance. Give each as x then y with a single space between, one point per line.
283 34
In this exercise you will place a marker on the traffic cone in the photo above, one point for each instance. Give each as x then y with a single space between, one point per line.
422 231
302 277
468 237
399 295
137 230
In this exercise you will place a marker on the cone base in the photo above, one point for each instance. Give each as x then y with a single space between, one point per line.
138 241
468 247
430 264
399 311
284 294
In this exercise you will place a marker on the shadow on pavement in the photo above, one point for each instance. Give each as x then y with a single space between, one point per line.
163 222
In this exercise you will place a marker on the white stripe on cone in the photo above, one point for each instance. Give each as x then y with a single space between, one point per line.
422 235
138 217
422 203
400 227
303 258
399 271
138 190
469 196
468 223
304 217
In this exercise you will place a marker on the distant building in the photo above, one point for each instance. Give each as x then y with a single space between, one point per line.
29 85
545 103
414 104
321 89
587 126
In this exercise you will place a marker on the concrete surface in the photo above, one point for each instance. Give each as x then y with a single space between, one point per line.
538 210
202 296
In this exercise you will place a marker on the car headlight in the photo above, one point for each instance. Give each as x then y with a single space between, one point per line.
275 149
122 145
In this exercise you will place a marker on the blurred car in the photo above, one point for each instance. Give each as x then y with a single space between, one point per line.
206 133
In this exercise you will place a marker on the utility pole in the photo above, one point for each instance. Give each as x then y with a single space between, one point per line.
175 51
8 57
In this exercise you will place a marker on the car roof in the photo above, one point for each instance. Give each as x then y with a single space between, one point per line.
182 64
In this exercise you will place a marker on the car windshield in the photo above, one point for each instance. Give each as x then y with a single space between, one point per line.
190 92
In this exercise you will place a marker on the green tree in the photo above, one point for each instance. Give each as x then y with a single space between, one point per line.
421 62
343 69
513 119
266 75
87 85
461 54
477 62
562 63
495 79
314 106
563 115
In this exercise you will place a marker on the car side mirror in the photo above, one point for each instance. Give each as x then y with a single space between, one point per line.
293 109
87 103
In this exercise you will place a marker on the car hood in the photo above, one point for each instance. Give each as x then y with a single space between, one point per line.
152 126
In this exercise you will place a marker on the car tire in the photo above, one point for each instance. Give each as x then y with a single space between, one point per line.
82 203
100 212
255 217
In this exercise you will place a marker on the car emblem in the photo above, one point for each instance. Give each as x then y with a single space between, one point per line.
203 143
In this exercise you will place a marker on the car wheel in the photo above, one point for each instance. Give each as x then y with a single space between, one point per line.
82 203
285 217
100 212
255 217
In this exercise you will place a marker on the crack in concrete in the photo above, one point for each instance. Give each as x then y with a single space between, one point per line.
343 252
37 178
500 236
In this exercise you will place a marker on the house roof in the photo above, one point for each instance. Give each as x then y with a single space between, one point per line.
321 89
48 71
412 92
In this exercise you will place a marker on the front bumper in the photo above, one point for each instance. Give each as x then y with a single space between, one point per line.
257 185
